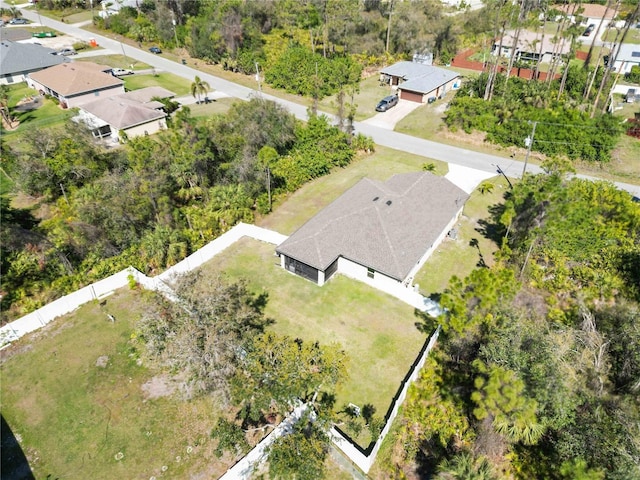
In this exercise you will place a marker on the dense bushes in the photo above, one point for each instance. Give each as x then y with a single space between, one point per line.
313 75
562 128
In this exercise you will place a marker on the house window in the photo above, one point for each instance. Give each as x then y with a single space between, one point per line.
370 272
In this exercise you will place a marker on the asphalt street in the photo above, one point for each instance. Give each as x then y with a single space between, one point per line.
381 136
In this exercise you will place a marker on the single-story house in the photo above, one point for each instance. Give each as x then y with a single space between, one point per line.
418 82
378 232
110 7
17 60
628 56
132 114
76 83
589 13
529 46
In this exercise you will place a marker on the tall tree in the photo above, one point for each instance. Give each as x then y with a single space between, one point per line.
199 87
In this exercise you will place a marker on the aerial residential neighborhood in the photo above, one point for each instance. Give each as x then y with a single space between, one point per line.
320 239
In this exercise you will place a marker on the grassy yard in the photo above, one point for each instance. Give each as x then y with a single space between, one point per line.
292 211
458 256
632 37
116 61
48 115
172 82
377 331
75 415
217 106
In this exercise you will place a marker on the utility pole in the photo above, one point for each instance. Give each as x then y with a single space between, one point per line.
175 31
500 171
386 48
258 79
529 142
269 185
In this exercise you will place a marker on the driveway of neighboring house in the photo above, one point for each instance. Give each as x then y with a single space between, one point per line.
392 116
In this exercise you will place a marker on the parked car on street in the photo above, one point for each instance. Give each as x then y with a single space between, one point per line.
155 50
386 103
18 21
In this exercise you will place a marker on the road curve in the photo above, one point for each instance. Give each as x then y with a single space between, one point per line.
399 141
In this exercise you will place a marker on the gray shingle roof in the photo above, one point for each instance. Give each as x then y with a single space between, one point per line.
419 77
16 58
386 226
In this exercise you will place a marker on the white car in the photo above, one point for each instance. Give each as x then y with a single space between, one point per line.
66 52
119 72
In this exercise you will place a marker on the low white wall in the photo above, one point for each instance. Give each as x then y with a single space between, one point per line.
365 462
247 465
67 304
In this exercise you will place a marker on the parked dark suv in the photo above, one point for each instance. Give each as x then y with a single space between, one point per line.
589 29
386 103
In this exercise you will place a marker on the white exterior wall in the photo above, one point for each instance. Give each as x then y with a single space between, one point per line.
13 78
359 272
80 99
625 66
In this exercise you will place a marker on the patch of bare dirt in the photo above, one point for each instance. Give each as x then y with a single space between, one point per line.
160 386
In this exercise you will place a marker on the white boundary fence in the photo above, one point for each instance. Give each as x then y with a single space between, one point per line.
103 288
364 462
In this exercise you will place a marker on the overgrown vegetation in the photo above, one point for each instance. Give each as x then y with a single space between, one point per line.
183 188
536 374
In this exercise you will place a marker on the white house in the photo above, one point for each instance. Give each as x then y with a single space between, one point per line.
380 233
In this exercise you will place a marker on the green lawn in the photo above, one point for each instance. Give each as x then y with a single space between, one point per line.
632 37
218 106
458 256
74 416
370 93
172 82
48 115
377 331
116 61
292 211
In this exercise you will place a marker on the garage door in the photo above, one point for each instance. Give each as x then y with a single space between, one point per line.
411 96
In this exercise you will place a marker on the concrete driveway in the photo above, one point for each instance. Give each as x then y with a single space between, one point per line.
389 118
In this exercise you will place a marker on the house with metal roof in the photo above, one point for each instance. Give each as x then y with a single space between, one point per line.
418 82
17 60
76 83
378 232
132 114
628 56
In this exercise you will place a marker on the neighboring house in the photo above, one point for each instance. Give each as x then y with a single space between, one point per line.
418 82
17 60
112 7
378 232
589 13
529 46
76 83
628 56
132 114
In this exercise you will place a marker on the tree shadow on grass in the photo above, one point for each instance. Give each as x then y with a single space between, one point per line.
491 228
13 462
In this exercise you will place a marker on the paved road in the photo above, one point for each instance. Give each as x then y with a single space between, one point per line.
381 136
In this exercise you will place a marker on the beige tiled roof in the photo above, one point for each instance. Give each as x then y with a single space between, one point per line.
121 112
591 10
386 226
75 78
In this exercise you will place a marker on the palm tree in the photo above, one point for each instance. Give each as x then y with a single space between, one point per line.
199 87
